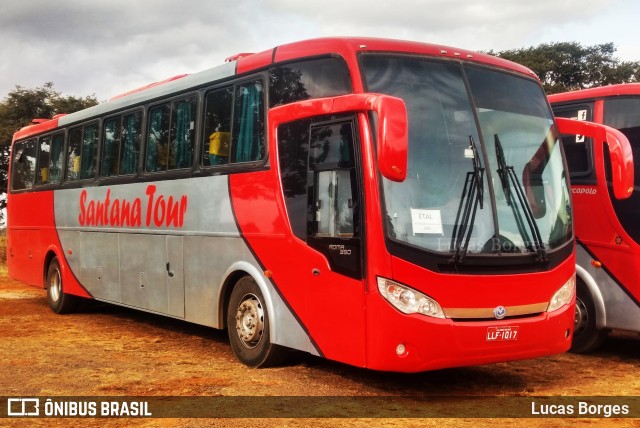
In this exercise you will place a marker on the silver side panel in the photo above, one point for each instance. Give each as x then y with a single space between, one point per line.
620 312
175 267
99 265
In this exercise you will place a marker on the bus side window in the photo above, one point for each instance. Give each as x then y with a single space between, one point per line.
89 151
171 136
158 138
82 152
50 159
121 145
247 143
182 133
110 146
23 168
44 155
130 143
622 114
217 127
56 159
73 154
577 147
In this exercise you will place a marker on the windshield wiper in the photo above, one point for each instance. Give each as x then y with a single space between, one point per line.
510 181
472 196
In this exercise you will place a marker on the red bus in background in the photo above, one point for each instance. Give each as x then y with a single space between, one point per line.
391 205
607 228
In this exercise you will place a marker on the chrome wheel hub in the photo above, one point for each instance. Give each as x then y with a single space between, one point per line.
581 317
250 321
55 286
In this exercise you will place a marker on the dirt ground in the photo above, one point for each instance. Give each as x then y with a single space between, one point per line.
110 351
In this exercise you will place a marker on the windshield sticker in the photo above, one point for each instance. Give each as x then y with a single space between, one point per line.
426 221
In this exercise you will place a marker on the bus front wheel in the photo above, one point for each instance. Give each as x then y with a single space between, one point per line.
59 301
248 326
586 336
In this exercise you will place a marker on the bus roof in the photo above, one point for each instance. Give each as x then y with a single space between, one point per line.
599 92
245 63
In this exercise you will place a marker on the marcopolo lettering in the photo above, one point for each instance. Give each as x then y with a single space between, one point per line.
584 190
156 209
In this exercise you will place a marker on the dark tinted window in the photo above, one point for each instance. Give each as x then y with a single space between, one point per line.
171 135
89 151
121 145
217 127
23 167
234 124
293 153
158 138
316 78
624 115
82 152
50 159
577 148
110 147
247 142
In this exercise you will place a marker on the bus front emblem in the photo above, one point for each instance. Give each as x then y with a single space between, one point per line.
500 312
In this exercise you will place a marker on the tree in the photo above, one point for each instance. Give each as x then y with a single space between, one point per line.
567 66
21 106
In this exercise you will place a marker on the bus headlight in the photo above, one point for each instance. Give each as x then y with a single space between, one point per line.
408 300
564 295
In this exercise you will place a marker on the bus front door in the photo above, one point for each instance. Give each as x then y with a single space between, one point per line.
334 230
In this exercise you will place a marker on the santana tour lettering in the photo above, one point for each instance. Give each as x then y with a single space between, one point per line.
154 209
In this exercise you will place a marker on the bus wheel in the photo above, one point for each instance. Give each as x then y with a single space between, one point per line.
59 301
248 326
586 337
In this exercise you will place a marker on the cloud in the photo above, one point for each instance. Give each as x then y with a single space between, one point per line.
109 47
493 24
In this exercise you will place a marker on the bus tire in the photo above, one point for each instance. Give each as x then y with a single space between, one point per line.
59 301
586 336
248 326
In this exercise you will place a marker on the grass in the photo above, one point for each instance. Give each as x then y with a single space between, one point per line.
3 257
3 250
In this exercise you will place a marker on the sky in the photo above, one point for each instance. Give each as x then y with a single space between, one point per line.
105 48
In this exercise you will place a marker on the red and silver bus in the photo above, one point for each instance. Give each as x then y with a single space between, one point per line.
391 205
607 228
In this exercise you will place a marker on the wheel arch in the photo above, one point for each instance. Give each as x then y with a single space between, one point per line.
50 254
231 277
585 278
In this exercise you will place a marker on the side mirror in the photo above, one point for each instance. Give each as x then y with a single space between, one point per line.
619 148
393 138
392 132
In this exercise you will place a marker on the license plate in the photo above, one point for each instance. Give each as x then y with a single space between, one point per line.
500 334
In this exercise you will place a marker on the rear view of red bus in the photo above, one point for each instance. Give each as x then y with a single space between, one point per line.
392 205
607 225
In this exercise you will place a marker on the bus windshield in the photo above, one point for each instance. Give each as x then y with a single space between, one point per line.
485 173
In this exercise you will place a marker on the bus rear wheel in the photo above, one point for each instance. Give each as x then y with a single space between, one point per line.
248 326
59 301
586 336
